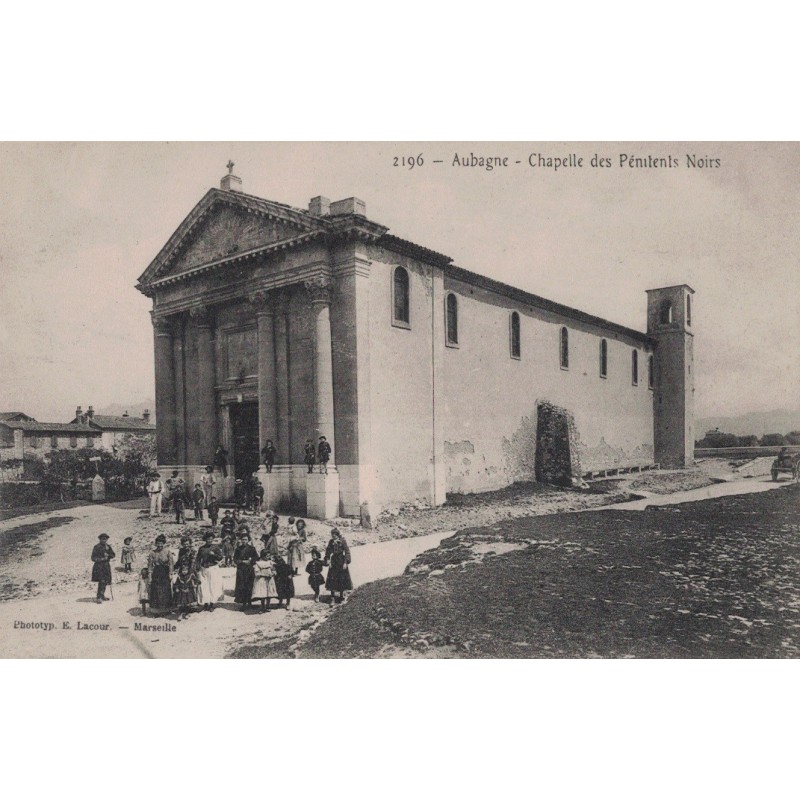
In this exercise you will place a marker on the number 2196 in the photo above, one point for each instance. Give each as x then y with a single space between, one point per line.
409 161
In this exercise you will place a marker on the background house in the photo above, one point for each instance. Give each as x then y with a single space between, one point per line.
115 429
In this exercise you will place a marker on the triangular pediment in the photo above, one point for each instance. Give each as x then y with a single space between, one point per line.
224 224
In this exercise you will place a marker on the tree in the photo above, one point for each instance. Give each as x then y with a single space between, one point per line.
747 441
793 437
717 438
773 440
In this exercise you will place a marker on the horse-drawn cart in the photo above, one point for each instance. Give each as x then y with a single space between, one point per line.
786 462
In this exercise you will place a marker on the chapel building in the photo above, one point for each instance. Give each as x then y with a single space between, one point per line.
285 324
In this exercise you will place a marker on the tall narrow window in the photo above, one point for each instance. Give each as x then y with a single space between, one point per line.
34 441
451 319
603 358
54 440
73 441
665 312
516 348
564 348
650 370
635 367
401 292
688 310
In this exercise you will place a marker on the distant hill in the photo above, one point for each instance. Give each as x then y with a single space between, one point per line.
756 422
133 409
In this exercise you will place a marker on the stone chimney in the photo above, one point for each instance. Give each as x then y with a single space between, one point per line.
230 183
146 416
319 206
79 414
90 412
350 205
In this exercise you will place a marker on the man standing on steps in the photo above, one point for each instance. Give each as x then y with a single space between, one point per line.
154 489
324 454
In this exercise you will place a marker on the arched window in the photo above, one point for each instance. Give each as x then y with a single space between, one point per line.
650 372
516 347
635 367
401 298
564 348
603 358
451 319
688 310
665 312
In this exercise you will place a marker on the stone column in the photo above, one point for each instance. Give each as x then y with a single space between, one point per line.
206 402
320 291
322 491
267 400
165 391
180 392
282 442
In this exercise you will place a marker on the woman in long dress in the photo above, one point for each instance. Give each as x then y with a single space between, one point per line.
245 556
161 563
337 558
210 589
264 587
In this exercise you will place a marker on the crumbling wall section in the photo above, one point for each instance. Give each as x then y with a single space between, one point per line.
557 456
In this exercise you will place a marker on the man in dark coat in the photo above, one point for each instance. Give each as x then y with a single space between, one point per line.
221 460
101 571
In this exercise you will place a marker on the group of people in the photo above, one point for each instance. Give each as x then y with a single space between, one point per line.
175 493
192 579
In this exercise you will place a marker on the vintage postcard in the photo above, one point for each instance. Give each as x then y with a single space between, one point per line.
400 400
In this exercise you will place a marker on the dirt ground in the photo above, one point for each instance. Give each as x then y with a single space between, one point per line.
711 579
44 565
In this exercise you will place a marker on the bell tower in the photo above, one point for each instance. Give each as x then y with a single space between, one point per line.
669 323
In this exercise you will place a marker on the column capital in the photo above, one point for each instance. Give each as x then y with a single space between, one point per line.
202 316
163 326
262 301
319 287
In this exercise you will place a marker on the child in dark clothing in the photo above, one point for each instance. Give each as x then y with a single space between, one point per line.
228 549
186 554
268 454
228 523
258 496
179 502
310 455
184 591
198 499
324 454
213 511
314 570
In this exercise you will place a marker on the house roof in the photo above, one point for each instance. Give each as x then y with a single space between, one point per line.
48 427
107 422
10 415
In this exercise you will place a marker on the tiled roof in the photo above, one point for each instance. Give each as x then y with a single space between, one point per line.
48 427
11 414
121 423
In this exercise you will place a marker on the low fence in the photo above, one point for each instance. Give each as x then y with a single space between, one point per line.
742 452
21 494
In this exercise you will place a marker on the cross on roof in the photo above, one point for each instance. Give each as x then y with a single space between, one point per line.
230 165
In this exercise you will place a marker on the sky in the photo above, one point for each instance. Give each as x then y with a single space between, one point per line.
79 222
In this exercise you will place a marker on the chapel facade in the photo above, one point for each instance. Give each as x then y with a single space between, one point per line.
285 324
